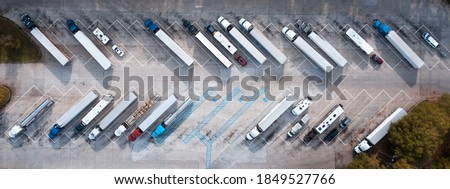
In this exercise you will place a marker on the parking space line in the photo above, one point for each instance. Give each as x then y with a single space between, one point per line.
209 117
181 119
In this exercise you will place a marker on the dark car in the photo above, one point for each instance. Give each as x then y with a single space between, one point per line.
241 60
345 122
442 53
210 29
332 135
186 23
310 136
193 29
377 59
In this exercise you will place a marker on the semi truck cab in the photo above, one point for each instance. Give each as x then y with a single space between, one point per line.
151 26
16 130
54 132
134 135
362 147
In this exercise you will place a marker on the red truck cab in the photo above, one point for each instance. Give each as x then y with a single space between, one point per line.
134 135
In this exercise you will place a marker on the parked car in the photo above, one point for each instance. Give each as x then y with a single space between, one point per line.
442 53
117 50
241 60
332 135
430 40
345 122
377 59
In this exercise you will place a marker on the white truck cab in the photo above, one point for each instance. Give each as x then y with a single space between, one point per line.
16 130
362 147
291 35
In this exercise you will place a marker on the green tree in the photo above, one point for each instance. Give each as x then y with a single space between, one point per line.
419 134
402 164
442 163
5 96
365 161
444 103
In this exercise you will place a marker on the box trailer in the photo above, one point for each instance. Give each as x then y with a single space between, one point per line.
169 42
271 117
262 39
73 112
237 35
51 48
127 101
376 135
300 43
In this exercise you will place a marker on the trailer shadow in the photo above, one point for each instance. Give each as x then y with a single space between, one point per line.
409 75
59 142
100 143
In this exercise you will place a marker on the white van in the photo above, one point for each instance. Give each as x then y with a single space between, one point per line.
430 40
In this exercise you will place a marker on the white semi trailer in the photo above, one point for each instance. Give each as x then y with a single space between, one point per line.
205 41
262 39
300 43
58 54
399 44
127 101
73 112
323 44
271 117
94 112
242 40
183 55
376 135
89 45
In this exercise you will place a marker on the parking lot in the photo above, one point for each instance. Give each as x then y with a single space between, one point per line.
211 133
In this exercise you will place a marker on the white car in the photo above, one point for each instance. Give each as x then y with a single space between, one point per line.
430 40
117 50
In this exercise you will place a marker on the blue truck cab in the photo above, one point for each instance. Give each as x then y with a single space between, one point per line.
72 26
54 132
151 26
382 28
158 131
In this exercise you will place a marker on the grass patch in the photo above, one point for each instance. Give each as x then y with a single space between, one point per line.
5 96
15 46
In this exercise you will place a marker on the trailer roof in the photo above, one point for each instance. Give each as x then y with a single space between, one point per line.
359 41
377 134
129 99
76 109
275 113
328 49
247 45
62 59
166 39
313 54
213 49
404 49
157 113
93 50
